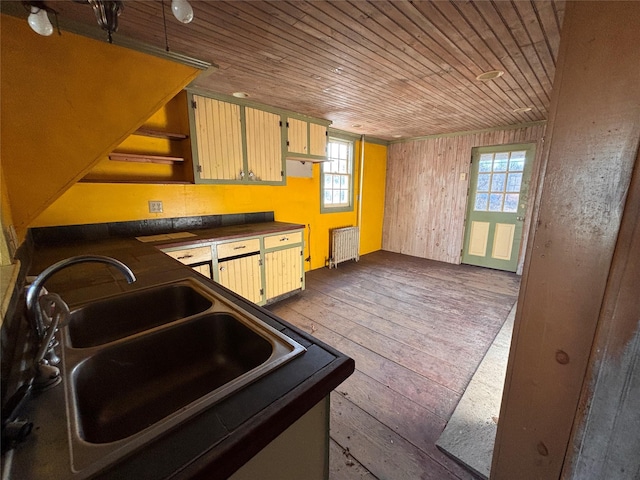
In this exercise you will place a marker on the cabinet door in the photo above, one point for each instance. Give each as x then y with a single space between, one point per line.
297 136
242 276
317 139
204 269
264 146
283 271
218 139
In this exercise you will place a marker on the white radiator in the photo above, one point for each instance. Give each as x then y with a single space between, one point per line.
345 245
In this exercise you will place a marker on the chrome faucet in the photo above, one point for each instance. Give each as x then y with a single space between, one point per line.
52 308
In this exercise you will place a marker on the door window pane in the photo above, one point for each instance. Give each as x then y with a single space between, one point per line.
511 202
516 162
500 162
499 175
495 202
514 182
328 180
481 202
486 160
483 182
497 183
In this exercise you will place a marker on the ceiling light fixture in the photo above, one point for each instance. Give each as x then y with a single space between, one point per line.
182 10
522 109
490 75
240 94
38 19
106 12
356 125
396 136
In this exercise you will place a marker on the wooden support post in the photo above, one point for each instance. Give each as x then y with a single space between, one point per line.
592 140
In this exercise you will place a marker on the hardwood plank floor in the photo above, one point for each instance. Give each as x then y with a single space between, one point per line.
417 330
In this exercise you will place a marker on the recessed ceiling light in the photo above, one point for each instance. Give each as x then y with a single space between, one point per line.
396 136
338 70
316 77
522 109
240 94
356 125
490 75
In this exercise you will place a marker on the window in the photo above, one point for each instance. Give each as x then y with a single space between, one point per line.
337 177
499 182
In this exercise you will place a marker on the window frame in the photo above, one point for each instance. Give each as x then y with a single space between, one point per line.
351 172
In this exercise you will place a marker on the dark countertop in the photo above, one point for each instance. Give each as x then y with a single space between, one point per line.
217 441
219 234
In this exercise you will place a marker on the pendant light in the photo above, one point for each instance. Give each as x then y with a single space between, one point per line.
182 10
39 21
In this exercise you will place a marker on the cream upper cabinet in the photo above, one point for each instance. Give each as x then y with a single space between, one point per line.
264 145
217 139
235 143
297 136
306 140
318 138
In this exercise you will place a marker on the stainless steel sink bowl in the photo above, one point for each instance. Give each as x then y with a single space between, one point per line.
130 383
123 389
110 319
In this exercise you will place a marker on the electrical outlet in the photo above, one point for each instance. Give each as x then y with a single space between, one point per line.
155 206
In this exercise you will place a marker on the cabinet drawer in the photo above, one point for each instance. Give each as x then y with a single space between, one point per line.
240 247
286 238
191 255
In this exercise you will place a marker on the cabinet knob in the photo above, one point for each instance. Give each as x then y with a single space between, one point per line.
222 269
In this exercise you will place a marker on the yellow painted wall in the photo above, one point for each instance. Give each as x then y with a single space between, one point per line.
66 100
297 202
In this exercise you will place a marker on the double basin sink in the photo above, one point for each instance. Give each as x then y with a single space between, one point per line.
140 363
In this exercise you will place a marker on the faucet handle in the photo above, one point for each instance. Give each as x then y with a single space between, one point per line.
54 313
52 304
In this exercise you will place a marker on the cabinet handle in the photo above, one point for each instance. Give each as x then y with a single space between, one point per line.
284 239
222 269
185 256
240 247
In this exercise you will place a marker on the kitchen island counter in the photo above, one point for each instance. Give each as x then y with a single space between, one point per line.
215 442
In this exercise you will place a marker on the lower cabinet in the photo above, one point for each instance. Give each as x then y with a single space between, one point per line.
300 452
242 276
259 268
199 258
283 271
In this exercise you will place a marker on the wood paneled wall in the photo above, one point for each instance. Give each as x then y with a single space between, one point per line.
426 192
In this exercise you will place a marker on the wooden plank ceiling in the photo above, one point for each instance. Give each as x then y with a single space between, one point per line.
388 69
